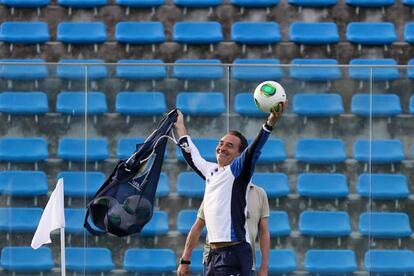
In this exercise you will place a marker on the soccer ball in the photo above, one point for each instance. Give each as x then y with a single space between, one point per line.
268 95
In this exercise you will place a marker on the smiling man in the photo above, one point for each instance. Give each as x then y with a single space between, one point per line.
225 196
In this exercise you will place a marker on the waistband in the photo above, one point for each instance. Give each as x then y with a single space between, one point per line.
219 245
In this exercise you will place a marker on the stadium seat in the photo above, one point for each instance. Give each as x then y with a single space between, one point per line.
324 223
314 33
134 69
190 184
328 72
206 146
84 69
273 151
89 259
411 105
199 103
163 188
322 185
190 32
19 220
74 218
81 33
140 4
256 73
73 103
142 260
197 260
331 261
409 32
255 33
157 226
140 103
384 225
79 4
410 71
73 149
376 105
25 149
24 103
320 151
281 261
139 33
369 3
23 183
275 184
389 261
279 224
25 4
254 3
371 33
186 219
318 104
23 72
244 105
82 183
313 3
25 259
382 186
370 72
24 32
197 3
127 146
378 151
198 72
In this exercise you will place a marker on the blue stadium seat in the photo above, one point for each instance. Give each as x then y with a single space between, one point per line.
279 224
73 103
190 32
197 260
134 70
206 146
244 104
139 33
24 32
25 71
19 220
142 260
198 3
23 149
200 103
370 72
25 259
23 183
330 261
409 32
371 33
74 218
93 69
329 71
186 219
275 184
89 259
411 105
409 3
140 4
376 105
81 184
25 3
23 103
384 225
318 104
163 188
322 185
140 103
378 151
256 73
273 151
254 3
255 33
410 71
382 186
190 184
370 3
79 4
389 261
157 226
281 261
314 33
313 3
126 146
73 149
324 223
198 72
320 151
81 33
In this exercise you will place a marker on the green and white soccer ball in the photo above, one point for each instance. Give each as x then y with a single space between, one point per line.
268 95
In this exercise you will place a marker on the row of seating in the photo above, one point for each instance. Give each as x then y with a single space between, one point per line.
92 260
316 224
308 150
256 33
79 184
196 104
249 70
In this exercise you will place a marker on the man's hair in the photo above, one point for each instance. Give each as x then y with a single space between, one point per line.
243 140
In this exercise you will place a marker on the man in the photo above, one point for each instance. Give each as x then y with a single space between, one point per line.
225 194
257 224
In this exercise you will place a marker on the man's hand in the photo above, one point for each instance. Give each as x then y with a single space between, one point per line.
262 271
183 269
179 125
274 116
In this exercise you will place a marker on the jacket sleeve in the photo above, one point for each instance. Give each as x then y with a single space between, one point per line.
192 156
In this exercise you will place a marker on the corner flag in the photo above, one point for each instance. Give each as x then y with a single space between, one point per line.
53 217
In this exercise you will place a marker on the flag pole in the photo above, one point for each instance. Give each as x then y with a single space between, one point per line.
62 252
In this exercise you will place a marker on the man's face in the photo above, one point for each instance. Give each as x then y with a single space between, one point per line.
227 149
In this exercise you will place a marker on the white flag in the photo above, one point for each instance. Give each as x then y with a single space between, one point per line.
53 217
